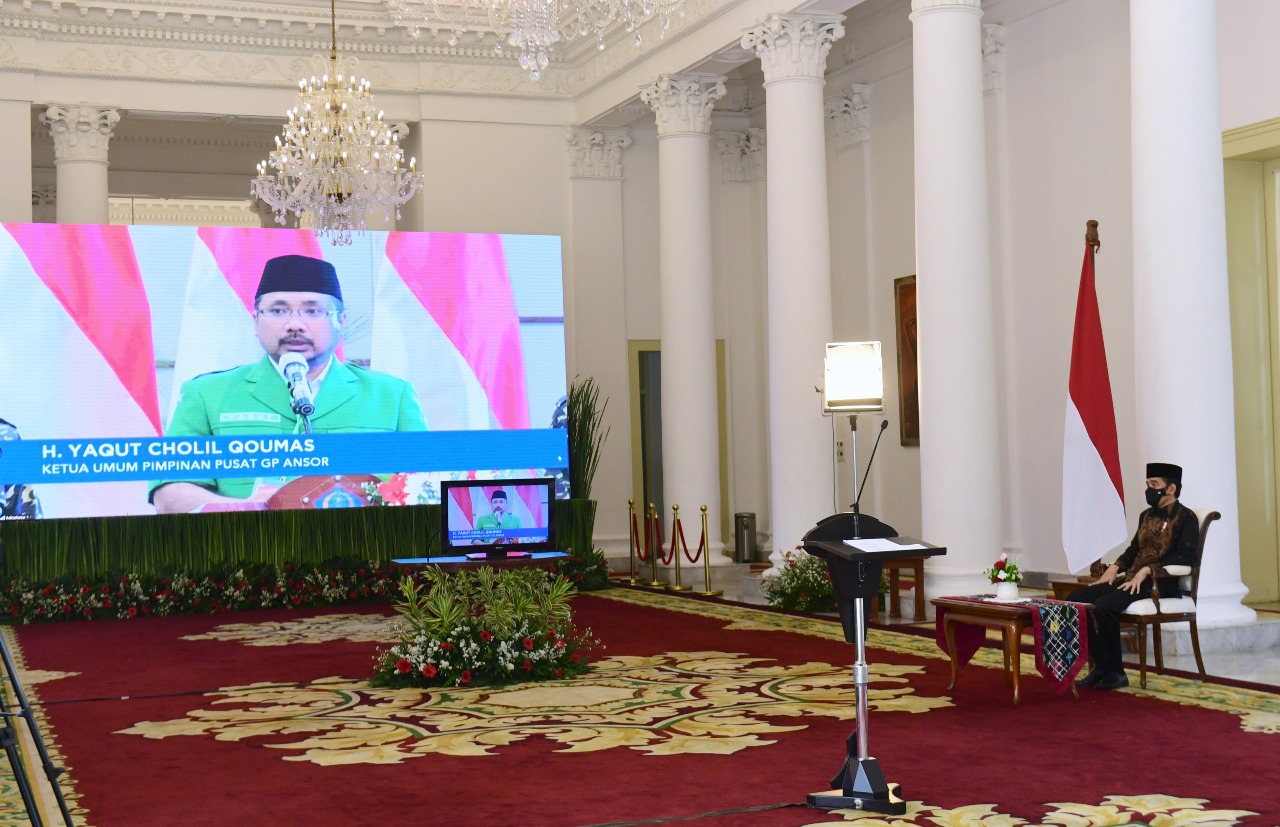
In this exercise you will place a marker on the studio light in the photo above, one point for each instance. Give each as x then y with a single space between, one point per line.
854 378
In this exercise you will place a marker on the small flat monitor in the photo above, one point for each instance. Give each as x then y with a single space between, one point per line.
497 518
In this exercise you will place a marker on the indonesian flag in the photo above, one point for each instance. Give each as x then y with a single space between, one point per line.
217 316
445 320
78 354
1092 494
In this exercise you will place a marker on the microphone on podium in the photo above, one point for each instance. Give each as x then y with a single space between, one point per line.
857 515
295 368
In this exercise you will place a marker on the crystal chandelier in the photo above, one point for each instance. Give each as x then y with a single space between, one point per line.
336 158
533 27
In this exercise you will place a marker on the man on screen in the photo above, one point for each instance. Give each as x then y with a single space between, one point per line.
298 309
501 517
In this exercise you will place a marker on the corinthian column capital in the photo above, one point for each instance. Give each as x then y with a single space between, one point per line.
682 103
596 153
794 45
80 132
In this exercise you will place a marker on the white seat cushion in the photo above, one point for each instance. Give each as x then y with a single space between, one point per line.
1168 605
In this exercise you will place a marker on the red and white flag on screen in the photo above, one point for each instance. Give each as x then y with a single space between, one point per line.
217 330
1092 493
79 359
445 320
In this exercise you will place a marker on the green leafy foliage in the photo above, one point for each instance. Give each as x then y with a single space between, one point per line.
802 585
586 435
484 627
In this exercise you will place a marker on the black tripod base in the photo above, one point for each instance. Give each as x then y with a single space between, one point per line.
837 800
862 787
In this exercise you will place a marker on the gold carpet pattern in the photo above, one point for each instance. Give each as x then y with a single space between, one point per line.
1115 810
667 704
1257 711
675 702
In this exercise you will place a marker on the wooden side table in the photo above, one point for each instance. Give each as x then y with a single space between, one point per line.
1011 619
916 565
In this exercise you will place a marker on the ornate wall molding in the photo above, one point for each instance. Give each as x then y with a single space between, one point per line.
185 212
851 114
80 132
596 153
794 45
992 58
683 103
742 156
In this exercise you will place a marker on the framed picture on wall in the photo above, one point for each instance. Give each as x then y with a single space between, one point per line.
904 299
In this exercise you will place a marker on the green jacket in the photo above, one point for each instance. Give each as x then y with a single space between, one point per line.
254 400
490 521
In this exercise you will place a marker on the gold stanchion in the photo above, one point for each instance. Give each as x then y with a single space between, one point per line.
633 541
677 534
704 545
654 545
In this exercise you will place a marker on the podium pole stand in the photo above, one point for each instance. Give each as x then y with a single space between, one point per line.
860 784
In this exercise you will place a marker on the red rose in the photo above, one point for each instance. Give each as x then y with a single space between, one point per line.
559 672
133 611
466 676
528 665
428 671
575 657
447 646
551 634
528 643
999 564
485 636
403 666
560 643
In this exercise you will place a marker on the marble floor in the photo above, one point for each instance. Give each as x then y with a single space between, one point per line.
1260 666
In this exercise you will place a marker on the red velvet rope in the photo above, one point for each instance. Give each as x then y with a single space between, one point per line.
641 553
680 528
665 559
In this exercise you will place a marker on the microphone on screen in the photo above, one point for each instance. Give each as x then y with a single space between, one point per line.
295 369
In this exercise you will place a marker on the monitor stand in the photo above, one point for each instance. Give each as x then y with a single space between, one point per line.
497 555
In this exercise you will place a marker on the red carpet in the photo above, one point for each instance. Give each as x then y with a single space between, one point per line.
695 708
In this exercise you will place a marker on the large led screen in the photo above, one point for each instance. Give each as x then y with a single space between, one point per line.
141 367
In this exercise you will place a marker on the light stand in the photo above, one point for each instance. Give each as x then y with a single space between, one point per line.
853 374
9 742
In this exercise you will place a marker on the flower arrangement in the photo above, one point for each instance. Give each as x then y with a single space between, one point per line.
802 585
481 627
1004 571
405 489
128 595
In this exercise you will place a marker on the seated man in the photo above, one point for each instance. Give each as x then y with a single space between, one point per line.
1167 535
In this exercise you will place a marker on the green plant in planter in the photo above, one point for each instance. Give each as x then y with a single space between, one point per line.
484 627
576 518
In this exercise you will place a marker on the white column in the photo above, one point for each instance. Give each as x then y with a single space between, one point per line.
740 257
793 53
690 423
81 135
1182 325
595 297
16 193
960 478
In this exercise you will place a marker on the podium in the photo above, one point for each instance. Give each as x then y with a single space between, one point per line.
855 575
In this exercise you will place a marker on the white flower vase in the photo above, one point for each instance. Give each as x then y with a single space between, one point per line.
1006 591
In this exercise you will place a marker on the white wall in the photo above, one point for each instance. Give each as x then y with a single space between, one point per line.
1248 61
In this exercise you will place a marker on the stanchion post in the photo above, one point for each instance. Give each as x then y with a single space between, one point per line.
655 547
677 534
633 540
705 544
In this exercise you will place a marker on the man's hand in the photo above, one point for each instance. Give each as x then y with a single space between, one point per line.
1133 585
1108 576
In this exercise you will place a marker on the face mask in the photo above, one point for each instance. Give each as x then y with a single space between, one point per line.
1154 495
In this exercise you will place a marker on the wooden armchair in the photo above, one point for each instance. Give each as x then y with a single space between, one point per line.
1171 601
